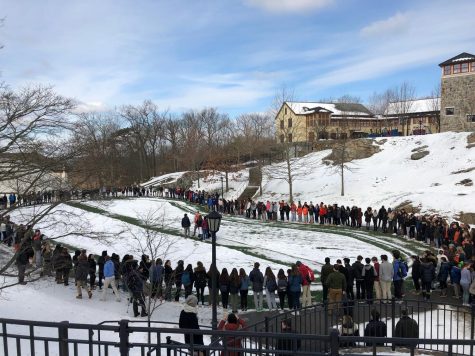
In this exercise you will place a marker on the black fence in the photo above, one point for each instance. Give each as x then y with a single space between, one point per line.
446 328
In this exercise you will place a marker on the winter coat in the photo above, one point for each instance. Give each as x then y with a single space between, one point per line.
407 327
101 261
336 280
386 271
178 272
305 272
109 269
82 269
244 283
156 273
375 328
189 320
455 274
234 286
443 272
327 268
295 283
92 265
200 277
26 252
368 273
416 269
134 282
232 342
358 270
185 222
427 272
65 261
257 279
465 277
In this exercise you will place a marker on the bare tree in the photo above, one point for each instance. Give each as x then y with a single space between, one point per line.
434 104
404 96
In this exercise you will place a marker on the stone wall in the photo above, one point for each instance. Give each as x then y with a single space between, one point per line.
457 91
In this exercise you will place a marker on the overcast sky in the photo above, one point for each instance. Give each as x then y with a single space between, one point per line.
230 54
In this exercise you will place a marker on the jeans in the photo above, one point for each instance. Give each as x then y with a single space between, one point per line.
258 300
282 299
243 293
466 293
270 298
296 300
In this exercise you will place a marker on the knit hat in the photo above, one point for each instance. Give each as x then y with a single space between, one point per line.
192 301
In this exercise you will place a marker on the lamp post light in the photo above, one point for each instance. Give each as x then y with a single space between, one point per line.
222 189
214 221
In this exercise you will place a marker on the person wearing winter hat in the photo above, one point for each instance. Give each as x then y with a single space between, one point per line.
189 320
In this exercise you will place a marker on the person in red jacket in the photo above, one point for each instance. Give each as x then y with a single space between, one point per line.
231 322
307 278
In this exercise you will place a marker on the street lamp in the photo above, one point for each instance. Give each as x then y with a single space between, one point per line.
222 190
214 221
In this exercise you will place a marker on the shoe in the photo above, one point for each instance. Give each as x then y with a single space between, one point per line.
22 283
143 314
79 297
89 293
136 315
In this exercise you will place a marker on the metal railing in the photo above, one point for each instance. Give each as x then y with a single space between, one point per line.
442 327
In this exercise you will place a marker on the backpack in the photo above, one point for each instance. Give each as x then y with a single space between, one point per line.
310 276
282 285
402 269
271 285
185 278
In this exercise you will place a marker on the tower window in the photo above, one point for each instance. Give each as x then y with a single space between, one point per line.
456 68
464 67
449 111
447 70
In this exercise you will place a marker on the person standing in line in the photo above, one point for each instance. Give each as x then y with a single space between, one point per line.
307 278
358 270
270 285
336 283
243 288
368 275
377 285
81 274
257 281
386 273
282 283
327 268
234 287
100 263
200 278
295 287
185 224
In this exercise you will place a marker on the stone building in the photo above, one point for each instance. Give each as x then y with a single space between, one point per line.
309 121
457 107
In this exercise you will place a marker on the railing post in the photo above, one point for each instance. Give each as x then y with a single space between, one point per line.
124 337
325 322
63 338
334 342
393 320
266 326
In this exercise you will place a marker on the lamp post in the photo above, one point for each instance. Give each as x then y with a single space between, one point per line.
222 189
420 126
214 221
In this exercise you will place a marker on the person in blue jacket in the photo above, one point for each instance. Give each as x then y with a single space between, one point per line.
109 279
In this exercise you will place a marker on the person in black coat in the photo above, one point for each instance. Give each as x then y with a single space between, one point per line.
178 273
416 273
100 263
135 284
92 271
427 276
406 327
189 320
26 252
375 328
185 224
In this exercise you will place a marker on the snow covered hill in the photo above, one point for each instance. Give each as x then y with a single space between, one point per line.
440 182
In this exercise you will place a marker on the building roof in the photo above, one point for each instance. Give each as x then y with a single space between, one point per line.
338 109
414 106
462 57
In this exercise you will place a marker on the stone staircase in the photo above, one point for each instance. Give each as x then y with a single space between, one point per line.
255 178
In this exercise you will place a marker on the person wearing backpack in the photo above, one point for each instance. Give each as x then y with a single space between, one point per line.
187 280
243 288
224 283
368 275
282 288
234 286
400 272
257 280
200 279
270 285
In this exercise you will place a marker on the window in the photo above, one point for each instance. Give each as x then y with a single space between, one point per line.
290 122
285 111
464 67
282 124
449 111
311 136
310 121
473 67
456 68
447 70
289 137
282 138
470 117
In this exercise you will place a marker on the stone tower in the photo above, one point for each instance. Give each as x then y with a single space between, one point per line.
457 106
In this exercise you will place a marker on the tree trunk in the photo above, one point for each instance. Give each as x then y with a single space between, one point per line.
342 179
289 177
227 181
